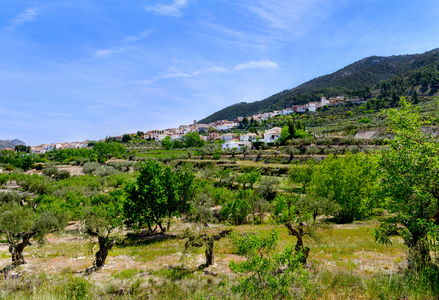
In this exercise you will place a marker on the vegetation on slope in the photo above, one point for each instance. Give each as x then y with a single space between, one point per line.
361 78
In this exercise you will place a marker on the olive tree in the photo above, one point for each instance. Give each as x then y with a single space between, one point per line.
409 182
20 223
103 220
197 240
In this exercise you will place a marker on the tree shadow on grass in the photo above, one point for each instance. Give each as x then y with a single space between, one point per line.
145 240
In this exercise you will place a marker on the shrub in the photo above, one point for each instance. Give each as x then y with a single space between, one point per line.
364 120
90 167
267 274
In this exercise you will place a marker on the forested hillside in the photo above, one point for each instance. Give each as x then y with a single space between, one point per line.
370 77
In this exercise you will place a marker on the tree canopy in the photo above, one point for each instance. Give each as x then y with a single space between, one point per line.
158 193
409 173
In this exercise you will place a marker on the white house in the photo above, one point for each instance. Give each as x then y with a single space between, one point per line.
265 116
324 101
312 106
175 137
301 108
287 111
271 135
232 144
161 137
248 137
228 136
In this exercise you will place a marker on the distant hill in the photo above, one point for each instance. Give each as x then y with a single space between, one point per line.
10 143
358 79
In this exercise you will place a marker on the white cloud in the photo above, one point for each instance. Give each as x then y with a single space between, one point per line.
182 74
27 16
173 9
125 45
135 38
253 64
290 16
110 51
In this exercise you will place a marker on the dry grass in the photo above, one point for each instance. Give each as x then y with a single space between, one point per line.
345 263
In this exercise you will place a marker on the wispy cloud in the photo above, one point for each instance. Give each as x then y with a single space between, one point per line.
261 64
253 64
27 16
182 74
173 9
126 45
290 16
135 38
110 51
57 114
237 39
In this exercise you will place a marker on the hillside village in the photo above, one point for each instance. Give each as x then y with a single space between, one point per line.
231 141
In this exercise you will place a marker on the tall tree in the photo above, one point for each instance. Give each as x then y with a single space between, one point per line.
349 181
157 194
409 173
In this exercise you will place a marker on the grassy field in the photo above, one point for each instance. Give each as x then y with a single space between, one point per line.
344 263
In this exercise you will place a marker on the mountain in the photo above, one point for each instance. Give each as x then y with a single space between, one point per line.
10 143
356 79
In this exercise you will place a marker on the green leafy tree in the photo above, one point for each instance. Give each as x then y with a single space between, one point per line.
415 97
409 173
291 127
22 223
248 178
192 139
267 188
302 173
157 194
167 143
237 209
22 148
107 150
348 181
126 138
103 220
284 135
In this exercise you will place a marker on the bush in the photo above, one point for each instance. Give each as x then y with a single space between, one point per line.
63 174
267 274
364 120
236 211
312 150
50 171
90 167
104 171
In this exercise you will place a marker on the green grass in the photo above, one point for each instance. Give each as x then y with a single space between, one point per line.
344 263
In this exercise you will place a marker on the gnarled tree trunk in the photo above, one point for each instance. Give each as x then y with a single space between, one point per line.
300 249
207 241
104 246
16 249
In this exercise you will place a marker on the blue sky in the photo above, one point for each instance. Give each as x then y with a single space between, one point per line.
76 70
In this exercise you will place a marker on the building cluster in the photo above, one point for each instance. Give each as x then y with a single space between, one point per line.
41 149
210 131
224 125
